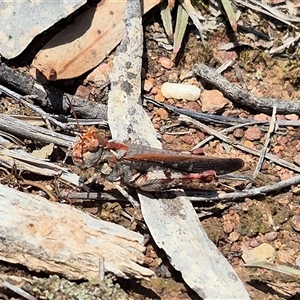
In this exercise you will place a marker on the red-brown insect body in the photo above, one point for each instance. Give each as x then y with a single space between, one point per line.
138 165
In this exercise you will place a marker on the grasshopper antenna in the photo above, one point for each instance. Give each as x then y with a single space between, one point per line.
74 114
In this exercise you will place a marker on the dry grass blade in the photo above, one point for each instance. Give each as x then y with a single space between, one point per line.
193 15
274 267
165 13
181 23
272 128
230 14
272 12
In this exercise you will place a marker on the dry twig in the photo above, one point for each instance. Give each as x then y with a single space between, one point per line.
243 97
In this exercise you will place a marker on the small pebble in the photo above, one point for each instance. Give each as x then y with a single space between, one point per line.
292 117
159 97
262 252
253 133
180 91
254 243
234 236
294 143
277 149
187 139
249 144
162 114
238 133
169 139
213 101
282 140
265 166
192 105
295 222
166 62
261 117
200 135
228 227
198 151
271 236
83 92
148 85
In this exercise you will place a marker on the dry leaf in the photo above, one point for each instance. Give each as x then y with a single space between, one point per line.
84 44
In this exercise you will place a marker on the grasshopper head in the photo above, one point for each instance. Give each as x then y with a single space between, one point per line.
88 150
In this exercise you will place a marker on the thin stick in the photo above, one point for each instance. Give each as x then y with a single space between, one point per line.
267 141
46 117
267 189
226 130
243 97
227 140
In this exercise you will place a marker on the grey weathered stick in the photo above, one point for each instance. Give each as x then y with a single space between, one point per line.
243 97
43 114
267 189
227 140
24 130
49 97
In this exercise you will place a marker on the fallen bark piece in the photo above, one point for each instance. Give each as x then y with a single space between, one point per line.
126 117
17 30
85 43
175 227
173 224
56 238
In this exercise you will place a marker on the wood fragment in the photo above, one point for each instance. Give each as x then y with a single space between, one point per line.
23 161
7 285
127 118
56 238
176 229
243 97
44 115
26 131
49 97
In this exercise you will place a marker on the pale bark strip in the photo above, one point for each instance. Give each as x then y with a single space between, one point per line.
175 227
173 223
56 238
127 118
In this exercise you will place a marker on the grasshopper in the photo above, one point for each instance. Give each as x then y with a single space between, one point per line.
147 168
